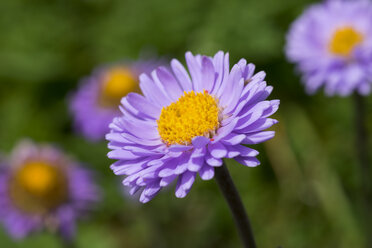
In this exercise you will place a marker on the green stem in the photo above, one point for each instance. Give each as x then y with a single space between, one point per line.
362 153
232 197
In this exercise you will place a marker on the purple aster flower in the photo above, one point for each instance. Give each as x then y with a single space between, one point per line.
332 45
184 126
95 103
40 188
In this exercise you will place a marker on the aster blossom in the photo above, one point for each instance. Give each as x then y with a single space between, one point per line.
41 188
183 126
94 104
331 43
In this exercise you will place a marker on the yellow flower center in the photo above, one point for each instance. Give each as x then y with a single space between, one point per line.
37 177
117 83
344 41
38 186
193 114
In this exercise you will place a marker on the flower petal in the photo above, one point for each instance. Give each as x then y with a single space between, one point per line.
184 184
195 71
169 83
181 75
200 141
217 150
259 137
206 172
248 161
143 106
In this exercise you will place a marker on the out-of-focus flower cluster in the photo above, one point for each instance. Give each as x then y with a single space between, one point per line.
331 43
42 188
97 100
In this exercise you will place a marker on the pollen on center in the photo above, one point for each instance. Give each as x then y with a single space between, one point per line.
344 40
38 186
38 178
117 83
193 114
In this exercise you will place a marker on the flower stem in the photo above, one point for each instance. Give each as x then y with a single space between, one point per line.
362 139
362 152
232 197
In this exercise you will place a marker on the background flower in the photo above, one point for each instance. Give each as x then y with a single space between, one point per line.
185 126
332 45
96 101
41 188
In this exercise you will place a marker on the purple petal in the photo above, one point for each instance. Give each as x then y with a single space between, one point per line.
235 97
232 153
242 63
165 181
141 150
217 150
248 161
152 92
259 137
195 71
169 83
142 131
149 192
248 71
141 141
196 160
208 73
233 139
223 131
134 190
179 148
245 151
167 171
200 141
122 154
252 115
229 87
206 172
273 108
212 161
183 164
218 62
152 189
184 184
129 167
220 85
182 75
259 125
143 106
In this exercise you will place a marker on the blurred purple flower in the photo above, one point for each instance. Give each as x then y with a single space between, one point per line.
95 103
332 45
183 126
40 188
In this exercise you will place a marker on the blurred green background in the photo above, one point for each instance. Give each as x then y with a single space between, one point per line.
304 194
